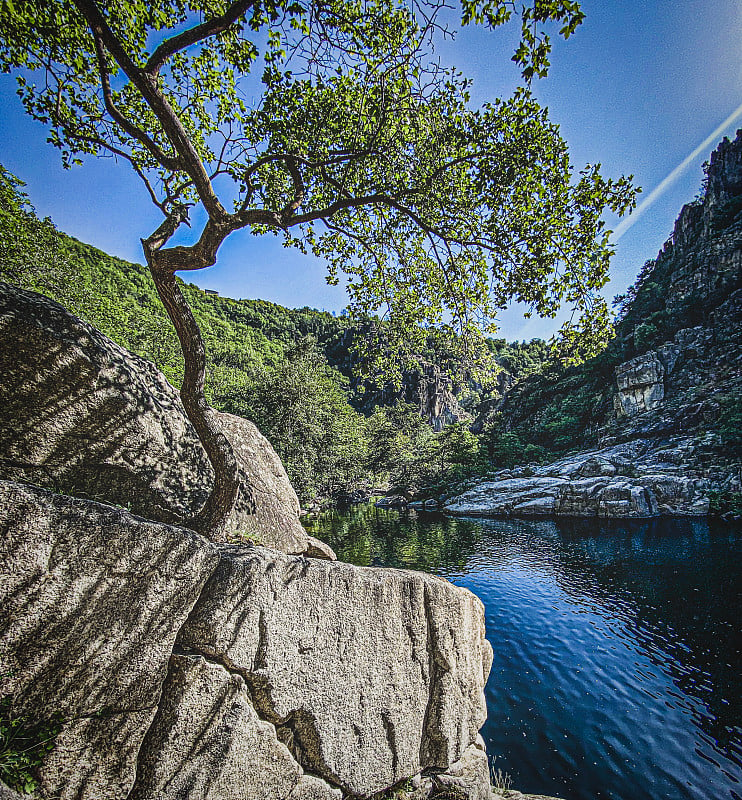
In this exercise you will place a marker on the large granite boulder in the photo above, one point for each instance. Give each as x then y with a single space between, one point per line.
176 670
81 415
369 675
91 601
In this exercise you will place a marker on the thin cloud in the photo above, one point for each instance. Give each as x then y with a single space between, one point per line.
659 190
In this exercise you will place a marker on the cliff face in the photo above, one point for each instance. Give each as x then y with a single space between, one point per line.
433 393
677 356
704 250
677 385
656 410
426 387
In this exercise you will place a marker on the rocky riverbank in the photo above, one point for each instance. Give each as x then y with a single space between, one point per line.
638 479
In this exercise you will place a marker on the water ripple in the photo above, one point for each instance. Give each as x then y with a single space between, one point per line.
617 660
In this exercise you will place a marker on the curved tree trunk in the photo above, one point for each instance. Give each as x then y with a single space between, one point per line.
210 520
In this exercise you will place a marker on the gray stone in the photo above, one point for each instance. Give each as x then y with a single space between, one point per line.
640 385
677 495
81 415
208 743
622 499
393 501
91 600
317 549
432 392
535 496
512 794
469 777
596 467
370 675
6 793
634 479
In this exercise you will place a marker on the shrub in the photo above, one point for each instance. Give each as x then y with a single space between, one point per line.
23 745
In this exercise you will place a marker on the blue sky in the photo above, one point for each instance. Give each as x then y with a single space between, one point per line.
638 88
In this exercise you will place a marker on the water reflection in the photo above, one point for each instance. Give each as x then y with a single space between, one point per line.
366 536
617 645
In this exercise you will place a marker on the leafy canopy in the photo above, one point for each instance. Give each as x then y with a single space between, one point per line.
330 123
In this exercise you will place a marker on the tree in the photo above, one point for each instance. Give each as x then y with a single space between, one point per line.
302 408
329 123
402 447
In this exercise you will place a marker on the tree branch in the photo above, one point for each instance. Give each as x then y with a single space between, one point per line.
299 190
188 159
211 27
169 162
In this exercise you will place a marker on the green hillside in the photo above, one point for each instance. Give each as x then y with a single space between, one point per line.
289 370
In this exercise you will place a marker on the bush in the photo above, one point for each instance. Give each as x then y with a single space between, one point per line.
645 335
729 423
725 502
23 745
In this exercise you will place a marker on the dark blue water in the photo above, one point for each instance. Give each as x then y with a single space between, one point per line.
617 660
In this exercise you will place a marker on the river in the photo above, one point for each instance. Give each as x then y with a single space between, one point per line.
617 668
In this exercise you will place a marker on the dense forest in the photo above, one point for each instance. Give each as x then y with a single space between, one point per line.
294 372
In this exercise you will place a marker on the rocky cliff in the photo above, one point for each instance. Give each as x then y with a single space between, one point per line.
659 407
426 387
162 666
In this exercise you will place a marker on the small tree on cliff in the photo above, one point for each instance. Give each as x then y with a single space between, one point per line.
326 122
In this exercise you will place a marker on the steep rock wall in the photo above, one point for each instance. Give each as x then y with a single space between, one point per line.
674 369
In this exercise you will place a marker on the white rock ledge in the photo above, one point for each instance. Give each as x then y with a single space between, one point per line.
614 482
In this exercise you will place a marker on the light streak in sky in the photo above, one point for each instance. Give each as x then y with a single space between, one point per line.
665 184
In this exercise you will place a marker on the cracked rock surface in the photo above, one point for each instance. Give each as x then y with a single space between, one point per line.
370 675
208 743
91 600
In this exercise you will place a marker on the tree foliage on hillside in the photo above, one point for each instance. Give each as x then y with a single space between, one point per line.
286 370
327 123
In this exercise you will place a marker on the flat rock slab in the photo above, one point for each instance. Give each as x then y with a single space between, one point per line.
370 675
624 481
90 604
